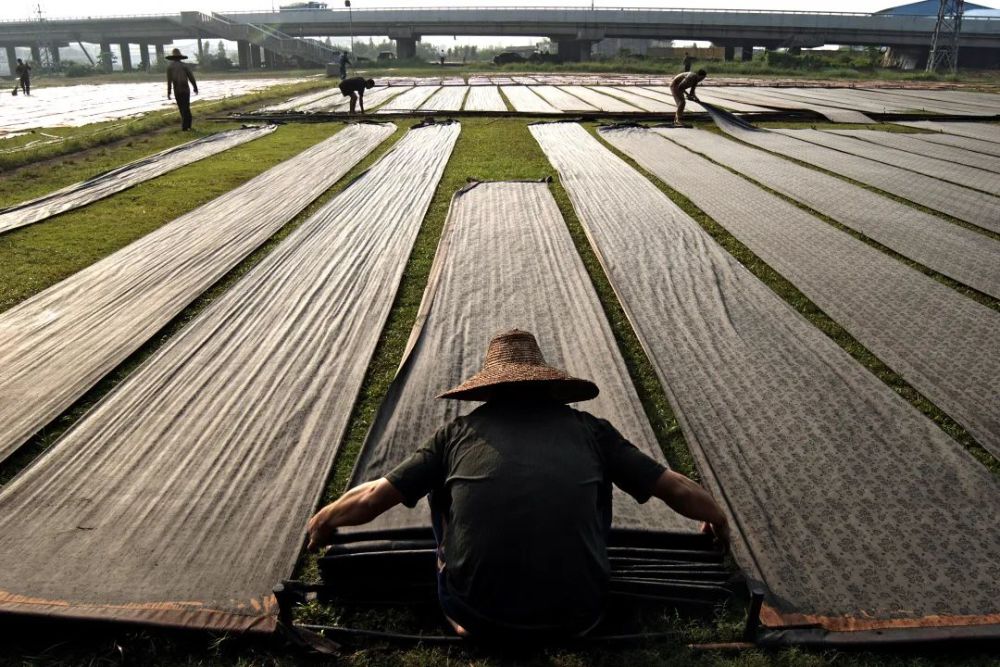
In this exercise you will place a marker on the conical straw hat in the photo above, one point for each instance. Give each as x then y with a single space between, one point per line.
514 359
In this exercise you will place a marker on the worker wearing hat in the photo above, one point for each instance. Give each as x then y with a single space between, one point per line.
178 76
520 497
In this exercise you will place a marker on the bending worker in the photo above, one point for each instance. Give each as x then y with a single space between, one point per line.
178 76
355 89
684 84
520 497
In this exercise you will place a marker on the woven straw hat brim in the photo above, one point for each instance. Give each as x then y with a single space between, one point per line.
177 57
553 382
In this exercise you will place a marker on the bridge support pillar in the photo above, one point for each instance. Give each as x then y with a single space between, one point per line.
105 60
406 48
160 59
126 56
144 56
746 52
574 50
54 55
795 51
255 57
270 59
201 51
243 53
36 55
729 52
11 59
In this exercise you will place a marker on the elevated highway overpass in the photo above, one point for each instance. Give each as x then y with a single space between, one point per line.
574 30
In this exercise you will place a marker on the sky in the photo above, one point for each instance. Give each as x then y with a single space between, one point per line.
22 9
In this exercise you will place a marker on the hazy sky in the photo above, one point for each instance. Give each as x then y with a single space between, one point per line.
16 9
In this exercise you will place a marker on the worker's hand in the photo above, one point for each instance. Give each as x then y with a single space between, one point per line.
720 531
195 91
318 532
168 96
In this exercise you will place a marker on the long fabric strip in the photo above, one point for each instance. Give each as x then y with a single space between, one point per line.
982 131
941 342
965 255
124 177
854 510
914 143
60 342
505 260
973 206
969 177
183 497
774 99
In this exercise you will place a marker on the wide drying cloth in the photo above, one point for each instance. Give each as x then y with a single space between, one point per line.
484 98
915 143
60 342
970 177
448 98
854 510
525 101
562 100
955 251
182 498
125 176
770 98
973 206
938 340
505 260
600 100
408 101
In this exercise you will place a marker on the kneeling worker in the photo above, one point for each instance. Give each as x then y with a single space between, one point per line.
355 89
520 497
685 81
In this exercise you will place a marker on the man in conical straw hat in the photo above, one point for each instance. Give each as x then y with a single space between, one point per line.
520 495
178 76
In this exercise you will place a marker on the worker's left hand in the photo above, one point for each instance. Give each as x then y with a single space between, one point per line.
195 91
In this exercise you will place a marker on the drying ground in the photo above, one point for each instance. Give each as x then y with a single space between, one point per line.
35 257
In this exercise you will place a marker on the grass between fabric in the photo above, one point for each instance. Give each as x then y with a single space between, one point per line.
486 150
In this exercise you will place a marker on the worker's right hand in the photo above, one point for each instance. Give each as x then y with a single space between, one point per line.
318 532
168 96
720 531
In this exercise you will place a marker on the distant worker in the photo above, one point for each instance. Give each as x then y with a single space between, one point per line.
687 62
520 494
442 59
685 81
23 71
178 76
344 62
355 89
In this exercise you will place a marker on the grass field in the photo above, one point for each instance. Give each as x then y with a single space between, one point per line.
37 256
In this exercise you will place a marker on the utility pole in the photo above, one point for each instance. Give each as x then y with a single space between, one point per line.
350 18
43 47
944 41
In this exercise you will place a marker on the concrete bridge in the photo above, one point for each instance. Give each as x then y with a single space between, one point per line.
574 30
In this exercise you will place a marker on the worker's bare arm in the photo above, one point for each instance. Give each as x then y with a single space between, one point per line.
360 505
190 76
689 499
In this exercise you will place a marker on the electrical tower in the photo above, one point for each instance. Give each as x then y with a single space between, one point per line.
42 44
944 41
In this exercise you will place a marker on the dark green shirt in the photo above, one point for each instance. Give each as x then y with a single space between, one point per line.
526 492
